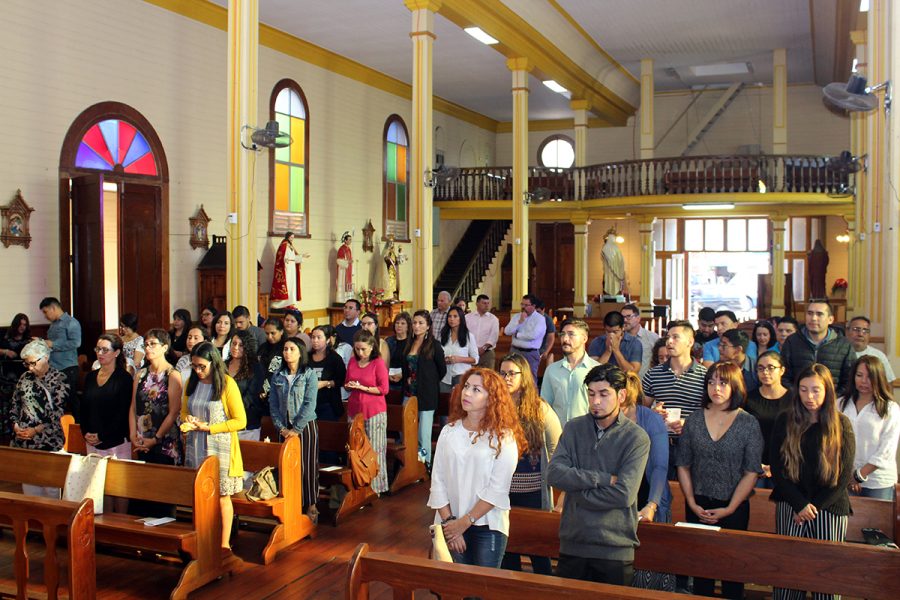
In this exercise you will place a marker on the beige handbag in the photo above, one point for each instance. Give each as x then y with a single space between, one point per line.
86 478
439 549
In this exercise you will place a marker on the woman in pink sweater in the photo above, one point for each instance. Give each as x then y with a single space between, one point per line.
367 382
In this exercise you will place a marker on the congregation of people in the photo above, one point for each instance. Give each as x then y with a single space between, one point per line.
804 410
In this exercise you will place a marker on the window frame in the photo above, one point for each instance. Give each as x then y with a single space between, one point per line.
393 118
277 89
553 138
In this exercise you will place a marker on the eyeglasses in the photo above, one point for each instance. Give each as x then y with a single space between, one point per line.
200 368
725 346
33 363
860 330
630 316
767 369
100 350
509 374
152 344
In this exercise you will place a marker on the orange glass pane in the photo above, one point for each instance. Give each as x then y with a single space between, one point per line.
298 154
282 187
401 164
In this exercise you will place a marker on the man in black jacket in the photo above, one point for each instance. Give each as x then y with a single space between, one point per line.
818 343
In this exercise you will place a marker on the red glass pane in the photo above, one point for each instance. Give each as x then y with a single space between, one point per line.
94 139
126 134
146 165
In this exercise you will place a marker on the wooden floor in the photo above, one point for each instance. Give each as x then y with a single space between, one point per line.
313 569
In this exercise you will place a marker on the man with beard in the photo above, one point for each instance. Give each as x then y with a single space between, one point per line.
563 385
599 463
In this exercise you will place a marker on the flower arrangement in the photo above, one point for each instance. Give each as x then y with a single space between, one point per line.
839 284
371 298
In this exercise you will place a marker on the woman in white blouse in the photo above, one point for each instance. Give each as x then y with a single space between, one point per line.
476 456
875 418
460 349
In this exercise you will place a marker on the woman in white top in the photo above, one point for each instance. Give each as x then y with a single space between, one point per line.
474 462
875 418
460 349
195 335
133 345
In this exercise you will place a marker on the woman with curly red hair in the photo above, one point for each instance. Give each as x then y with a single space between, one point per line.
476 456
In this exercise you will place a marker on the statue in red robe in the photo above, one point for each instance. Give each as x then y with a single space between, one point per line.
286 279
344 282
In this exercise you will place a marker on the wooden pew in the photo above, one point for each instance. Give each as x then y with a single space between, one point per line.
74 438
197 543
867 513
76 519
286 508
333 437
403 424
857 570
449 581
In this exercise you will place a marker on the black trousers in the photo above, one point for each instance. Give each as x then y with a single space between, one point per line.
598 570
739 519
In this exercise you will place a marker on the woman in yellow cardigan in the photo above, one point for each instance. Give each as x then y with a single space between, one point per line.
212 413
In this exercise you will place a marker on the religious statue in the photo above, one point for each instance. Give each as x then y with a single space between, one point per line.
613 266
344 282
286 280
392 260
817 258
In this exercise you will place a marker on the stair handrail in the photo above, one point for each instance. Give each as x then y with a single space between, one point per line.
491 240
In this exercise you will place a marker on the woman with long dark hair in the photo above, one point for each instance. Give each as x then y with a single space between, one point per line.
875 418
243 366
181 323
367 382
812 464
331 373
194 335
132 343
18 334
422 372
460 349
207 315
474 463
212 413
292 405
369 322
766 402
541 427
396 343
155 404
274 329
222 330
765 337
106 399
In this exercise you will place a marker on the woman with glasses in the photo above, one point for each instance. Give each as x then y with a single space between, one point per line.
212 414
207 316
223 329
106 400
718 459
369 322
541 426
460 349
765 403
37 406
155 404
765 337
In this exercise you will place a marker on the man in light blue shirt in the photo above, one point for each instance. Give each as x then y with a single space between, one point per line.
617 347
527 332
726 320
563 386
64 338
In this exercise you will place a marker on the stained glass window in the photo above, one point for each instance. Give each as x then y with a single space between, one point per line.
114 145
396 177
289 194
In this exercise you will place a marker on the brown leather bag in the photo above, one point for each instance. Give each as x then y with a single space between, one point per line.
360 455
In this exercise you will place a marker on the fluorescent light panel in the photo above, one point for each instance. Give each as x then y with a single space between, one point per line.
555 87
724 206
720 69
481 36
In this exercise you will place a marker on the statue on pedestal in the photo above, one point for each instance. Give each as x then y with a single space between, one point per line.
344 282
817 258
613 266
393 258
286 279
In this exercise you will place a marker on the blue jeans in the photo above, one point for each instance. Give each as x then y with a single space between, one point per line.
426 420
886 493
484 547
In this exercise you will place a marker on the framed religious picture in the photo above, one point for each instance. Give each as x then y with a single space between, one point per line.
16 217
200 229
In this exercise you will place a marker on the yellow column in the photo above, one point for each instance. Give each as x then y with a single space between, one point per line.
421 158
520 69
580 109
779 98
647 135
889 208
852 264
243 44
778 225
860 244
648 263
581 223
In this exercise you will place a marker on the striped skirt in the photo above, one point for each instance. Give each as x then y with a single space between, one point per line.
376 430
309 463
825 526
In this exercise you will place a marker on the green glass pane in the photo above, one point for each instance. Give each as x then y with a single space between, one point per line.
297 199
284 124
391 162
401 202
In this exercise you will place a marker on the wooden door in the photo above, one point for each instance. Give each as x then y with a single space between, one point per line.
555 279
87 257
140 255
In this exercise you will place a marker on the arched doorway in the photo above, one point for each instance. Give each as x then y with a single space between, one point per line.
114 220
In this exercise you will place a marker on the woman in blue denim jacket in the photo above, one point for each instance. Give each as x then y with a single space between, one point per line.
292 404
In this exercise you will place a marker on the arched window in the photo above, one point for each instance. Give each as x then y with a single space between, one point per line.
396 175
557 151
115 145
289 167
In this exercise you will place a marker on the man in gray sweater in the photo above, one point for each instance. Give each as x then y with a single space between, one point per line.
599 464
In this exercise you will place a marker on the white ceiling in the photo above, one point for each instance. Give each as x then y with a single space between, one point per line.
677 34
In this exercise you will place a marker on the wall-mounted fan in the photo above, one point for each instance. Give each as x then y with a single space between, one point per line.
538 195
856 95
269 137
846 163
441 176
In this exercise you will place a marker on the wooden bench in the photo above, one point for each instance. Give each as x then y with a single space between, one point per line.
402 447
75 443
449 581
333 437
76 519
197 543
867 513
286 508
857 570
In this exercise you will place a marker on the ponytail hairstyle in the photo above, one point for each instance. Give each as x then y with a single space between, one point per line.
116 342
799 421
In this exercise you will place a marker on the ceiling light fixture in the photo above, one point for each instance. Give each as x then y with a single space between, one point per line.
620 239
481 36
843 238
702 206
556 87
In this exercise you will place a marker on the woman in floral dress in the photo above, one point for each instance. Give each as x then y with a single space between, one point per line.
156 404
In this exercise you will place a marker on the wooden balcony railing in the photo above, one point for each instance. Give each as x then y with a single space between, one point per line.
659 176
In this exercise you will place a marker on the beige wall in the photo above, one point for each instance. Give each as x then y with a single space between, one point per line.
173 71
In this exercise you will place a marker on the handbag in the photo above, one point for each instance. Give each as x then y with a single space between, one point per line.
263 485
439 549
86 478
362 458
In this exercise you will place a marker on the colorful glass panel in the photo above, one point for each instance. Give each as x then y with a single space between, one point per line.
401 202
396 191
401 164
284 124
391 162
282 187
297 189
289 194
299 137
390 209
113 143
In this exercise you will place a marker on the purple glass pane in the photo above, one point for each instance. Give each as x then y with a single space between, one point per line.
139 147
88 159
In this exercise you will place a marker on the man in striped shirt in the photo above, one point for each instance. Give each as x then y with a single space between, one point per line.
677 383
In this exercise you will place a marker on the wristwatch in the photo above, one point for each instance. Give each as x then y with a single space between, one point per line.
471 519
